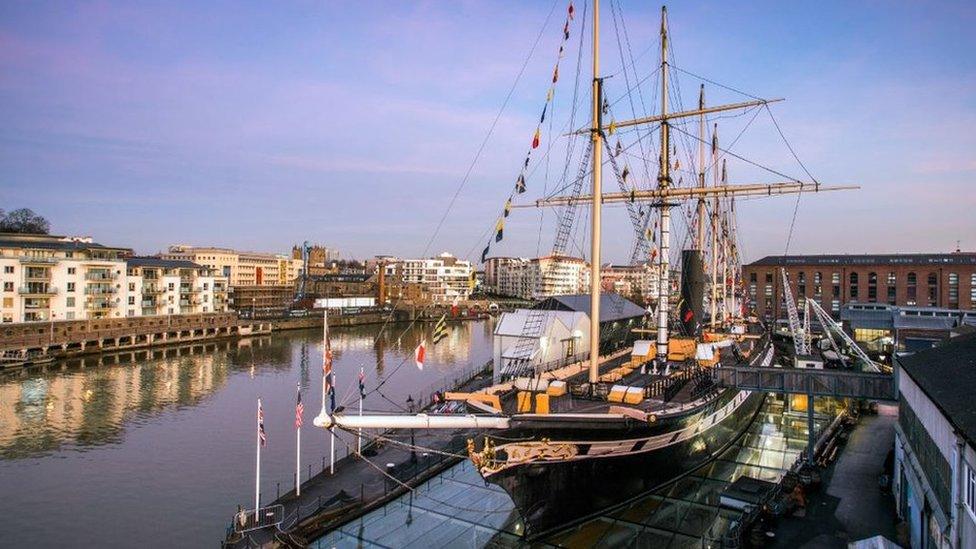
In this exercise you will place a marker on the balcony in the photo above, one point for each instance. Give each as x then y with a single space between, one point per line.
100 305
152 290
38 260
100 290
99 276
42 275
37 290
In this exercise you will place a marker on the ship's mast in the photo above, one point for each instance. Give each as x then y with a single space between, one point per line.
664 181
597 137
700 229
713 294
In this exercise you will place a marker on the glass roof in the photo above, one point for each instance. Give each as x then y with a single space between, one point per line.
457 508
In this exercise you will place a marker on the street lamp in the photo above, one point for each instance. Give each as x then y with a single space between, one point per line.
413 448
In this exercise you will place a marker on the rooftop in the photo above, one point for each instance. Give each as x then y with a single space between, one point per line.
51 242
161 263
957 258
947 375
612 306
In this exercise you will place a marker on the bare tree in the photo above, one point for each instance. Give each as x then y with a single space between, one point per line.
23 220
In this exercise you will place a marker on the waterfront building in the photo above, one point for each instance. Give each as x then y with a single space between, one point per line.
261 301
319 258
156 286
536 278
935 445
47 277
638 283
241 268
341 285
924 280
443 279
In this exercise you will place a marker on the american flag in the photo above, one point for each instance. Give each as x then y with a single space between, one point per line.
299 410
261 434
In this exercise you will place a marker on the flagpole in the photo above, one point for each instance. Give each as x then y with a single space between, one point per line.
298 453
332 437
257 472
359 445
325 348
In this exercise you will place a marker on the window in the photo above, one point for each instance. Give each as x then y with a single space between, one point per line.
132 286
8 269
8 286
171 286
835 306
972 290
817 277
769 290
69 301
933 279
892 279
970 481
170 310
769 277
835 278
71 286
953 290
132 300
872 287
801 277
70 315
131 312
8 302
853 286
71 270
752 277
69 255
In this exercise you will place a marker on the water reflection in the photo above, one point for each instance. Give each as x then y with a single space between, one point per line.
87 401
104 446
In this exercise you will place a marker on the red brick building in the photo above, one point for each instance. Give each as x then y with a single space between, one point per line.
925 280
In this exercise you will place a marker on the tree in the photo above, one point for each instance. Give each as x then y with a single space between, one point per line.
23 220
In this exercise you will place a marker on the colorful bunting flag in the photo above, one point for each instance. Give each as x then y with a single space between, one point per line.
565 33
625 173
499 229
571 11
484 253
440 329
508 207
520 184
555 74
543 117
619 149
613 127
535 138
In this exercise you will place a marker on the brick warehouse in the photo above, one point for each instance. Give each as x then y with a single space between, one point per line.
925 280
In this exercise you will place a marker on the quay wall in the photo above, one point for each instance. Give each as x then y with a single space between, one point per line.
42 340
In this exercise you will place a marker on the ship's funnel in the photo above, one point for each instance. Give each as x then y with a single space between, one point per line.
692 290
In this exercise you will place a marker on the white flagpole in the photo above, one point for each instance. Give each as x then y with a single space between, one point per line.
298 452
332 435
257 472
359 442
325 346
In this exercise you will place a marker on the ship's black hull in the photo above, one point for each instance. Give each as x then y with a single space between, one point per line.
557 493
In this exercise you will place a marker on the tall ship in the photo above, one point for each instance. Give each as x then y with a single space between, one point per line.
571 440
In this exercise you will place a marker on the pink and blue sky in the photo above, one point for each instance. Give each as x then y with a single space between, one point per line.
261 124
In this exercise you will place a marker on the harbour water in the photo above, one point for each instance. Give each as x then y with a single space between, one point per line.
158 451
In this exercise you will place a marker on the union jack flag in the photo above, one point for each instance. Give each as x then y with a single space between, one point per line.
299 410
261 434
362 383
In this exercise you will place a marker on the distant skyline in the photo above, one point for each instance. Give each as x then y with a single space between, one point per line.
257 126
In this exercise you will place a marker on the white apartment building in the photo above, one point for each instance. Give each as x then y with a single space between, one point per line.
632 281
241 268
537 278
446 277
48 278
156 286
